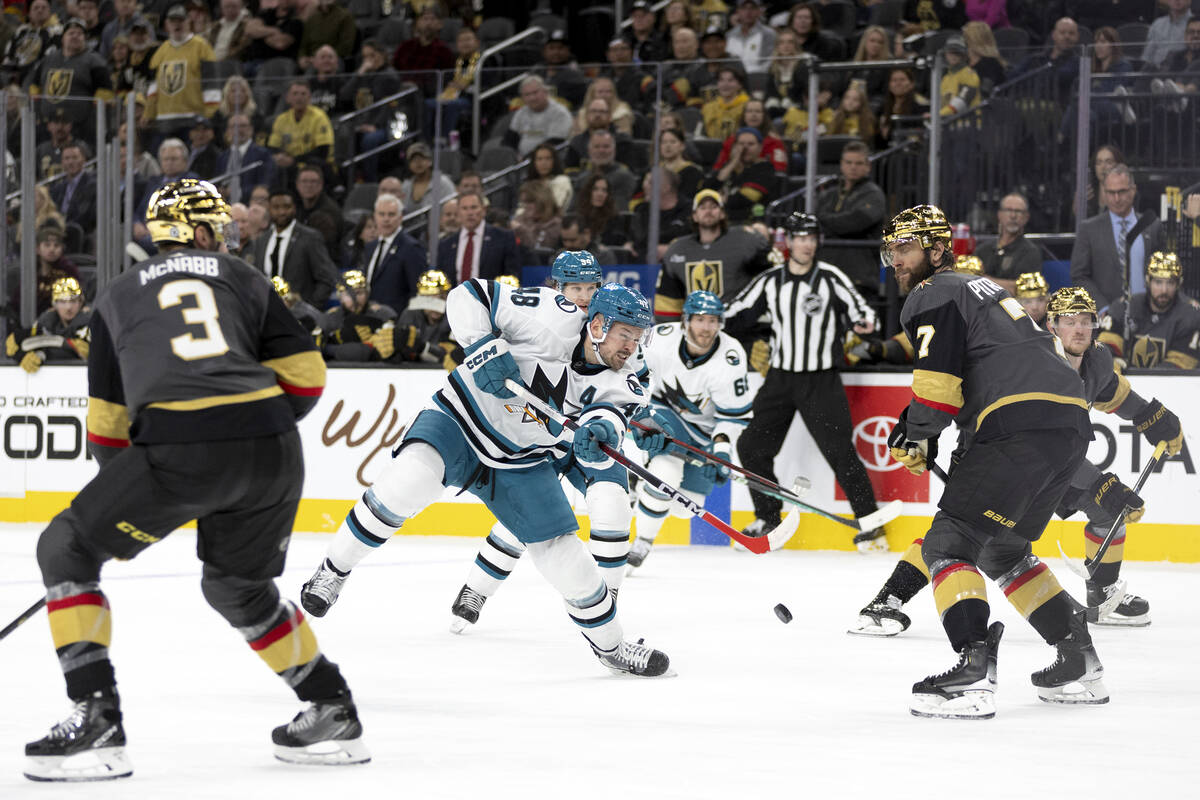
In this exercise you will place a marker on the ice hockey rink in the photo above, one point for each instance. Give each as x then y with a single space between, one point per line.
519 708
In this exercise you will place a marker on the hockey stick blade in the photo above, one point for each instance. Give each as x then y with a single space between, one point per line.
24 616
881 516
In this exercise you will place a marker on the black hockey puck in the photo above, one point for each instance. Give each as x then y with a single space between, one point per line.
782 612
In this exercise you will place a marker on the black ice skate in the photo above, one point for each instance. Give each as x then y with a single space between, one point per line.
89 745
634 659
872 541
1130 611
322 589
638 551
326 733
1076 675
881 617
465 610
968 689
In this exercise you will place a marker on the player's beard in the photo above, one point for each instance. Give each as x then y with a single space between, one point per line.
914 276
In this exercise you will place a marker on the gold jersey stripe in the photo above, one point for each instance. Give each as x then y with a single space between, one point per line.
902 339
81 623
1033 594
110 420
1181 360
305 369
1113 341
1025 397
938 387
218 400
1118 397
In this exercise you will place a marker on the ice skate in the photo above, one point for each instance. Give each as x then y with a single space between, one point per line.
465 610
638 551
968 689
881 617
322 589
761 527
1076 676
1128 610
326 733
89 745
872 541
635 659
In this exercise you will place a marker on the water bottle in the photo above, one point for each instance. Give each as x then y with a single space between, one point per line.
962 242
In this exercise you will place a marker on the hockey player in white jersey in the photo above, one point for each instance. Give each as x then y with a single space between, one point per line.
473 434
577 277
700 394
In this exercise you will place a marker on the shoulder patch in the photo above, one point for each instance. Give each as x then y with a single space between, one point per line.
565 304
634 385
732 358
663 330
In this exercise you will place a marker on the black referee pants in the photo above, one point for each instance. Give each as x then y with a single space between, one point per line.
821 400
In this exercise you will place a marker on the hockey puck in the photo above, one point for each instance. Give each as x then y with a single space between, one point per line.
782 612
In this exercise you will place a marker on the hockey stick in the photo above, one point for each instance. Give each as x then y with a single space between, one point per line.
1143 222
755 544
24 617
875 519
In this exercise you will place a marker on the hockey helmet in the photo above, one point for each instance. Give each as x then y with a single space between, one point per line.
924 224
1071 300
800 224
1031 284
352 280
617 303
968 264
702 302
66 289
575 266
1164 265
509 280
433 282
175 211
282 287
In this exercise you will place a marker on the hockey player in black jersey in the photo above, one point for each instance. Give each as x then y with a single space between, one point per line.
59 334
1072 318
1033 293
197 375
982 363
1164 329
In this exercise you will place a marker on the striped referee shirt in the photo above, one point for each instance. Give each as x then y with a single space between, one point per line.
804 312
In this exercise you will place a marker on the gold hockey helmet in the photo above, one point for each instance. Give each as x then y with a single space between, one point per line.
433 282
66 289
1068 301
179 207
509 280
969 264
352 280
1164 265
1032 284
282 287
925 224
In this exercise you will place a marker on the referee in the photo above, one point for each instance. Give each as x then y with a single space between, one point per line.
804 302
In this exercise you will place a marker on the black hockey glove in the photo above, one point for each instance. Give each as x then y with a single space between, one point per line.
914 454
1115 497
1158 424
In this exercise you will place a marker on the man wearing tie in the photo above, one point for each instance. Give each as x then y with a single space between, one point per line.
75 194
243 152
395 263
1098 258
478 250
294 252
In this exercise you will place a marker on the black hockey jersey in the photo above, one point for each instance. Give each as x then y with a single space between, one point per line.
722 267
1169 338
981 362
196 346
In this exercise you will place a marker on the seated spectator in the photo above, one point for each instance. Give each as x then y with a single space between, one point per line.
787 75
747 177
240 214
619 113
259 196
456 96
424 52
49 153
992 13
303 132
854 208
471 181
274 33
316 209
373 81
1060 55
350 328
1010 254
598 116
1107 156
713 56
672 145
936 16
797 120
806 22
419 188
200 18
32 40
328 23
538 120
595 206
479 249
545 166
52 266
576 235
674 219
873 46
685 49
294 251
559 71
125 14
634 85
601 160
325 79
172 107
392 185
205 152
754 115
236 98
854 116
984 57
172 160
749 39
677 14
901 100
145 166
227 34
361 240
1167 33
721 114
88 12
1109 62
1185 64
648 44
45 212
243 153
960 84
538 222
448 221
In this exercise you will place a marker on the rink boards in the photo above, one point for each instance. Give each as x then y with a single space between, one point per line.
364 412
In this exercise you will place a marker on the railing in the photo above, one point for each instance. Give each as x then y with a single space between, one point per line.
491 51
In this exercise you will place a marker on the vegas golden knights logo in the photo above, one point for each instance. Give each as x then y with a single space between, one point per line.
1148 351
172 76
58 82
706 276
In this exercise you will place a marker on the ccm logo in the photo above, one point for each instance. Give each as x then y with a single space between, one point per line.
480 357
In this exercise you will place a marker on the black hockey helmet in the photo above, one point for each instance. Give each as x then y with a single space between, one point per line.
799 223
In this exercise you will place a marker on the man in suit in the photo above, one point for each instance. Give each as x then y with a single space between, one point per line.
206 152
294 251
75 194
478 250
394 264
242 152
1098 257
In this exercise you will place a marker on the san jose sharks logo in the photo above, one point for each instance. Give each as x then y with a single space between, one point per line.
554 394
676 397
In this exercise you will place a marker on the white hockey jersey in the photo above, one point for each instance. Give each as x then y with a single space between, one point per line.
545 335
711 394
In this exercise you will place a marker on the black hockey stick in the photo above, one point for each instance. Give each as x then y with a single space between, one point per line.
869 522
23 617
1143 222
755 544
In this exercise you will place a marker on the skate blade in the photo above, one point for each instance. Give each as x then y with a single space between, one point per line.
620 673
459 625
1118 621
102 764
866 626
330 753
970 705
1076 693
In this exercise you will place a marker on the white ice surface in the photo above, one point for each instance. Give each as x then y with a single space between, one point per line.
520 708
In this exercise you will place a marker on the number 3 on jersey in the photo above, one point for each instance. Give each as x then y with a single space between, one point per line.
205 313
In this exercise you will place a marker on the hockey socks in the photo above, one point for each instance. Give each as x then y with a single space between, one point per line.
495 561
81 626
1109 570
1034 591
960 594
910 575
288 646
610 551
366 528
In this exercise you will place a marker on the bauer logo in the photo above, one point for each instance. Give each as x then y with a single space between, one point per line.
873 412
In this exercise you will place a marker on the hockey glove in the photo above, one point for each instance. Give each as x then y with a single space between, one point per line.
590 436
490 364
1116 498
914 454
760 356
864 351
717 473
32 361
383 341
1160 425
654 442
